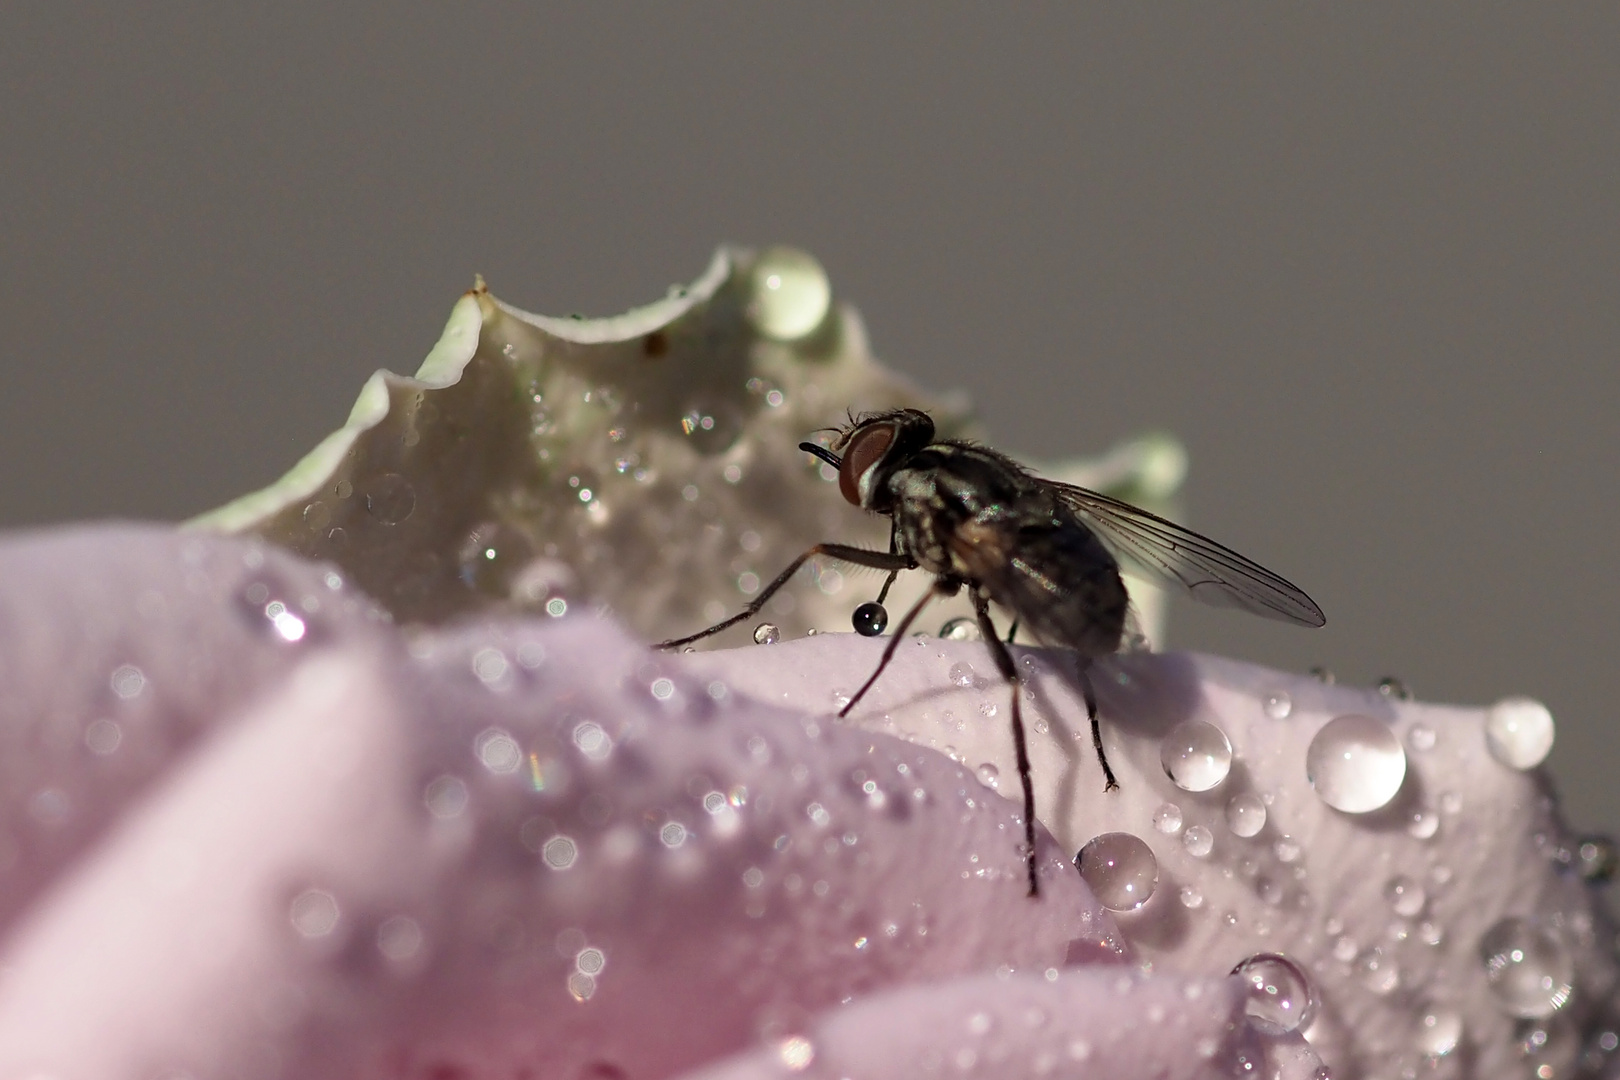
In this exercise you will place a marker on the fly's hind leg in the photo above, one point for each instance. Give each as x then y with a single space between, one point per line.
1009 671
1090 694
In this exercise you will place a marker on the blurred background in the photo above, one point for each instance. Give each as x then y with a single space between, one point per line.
1364 263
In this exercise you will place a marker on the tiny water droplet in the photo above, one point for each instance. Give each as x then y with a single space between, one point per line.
1597 859
962 674
1519 732
1405 896
1421 738
960 629
317 516
1278 705
559 852
1279 992
1196 755
1198 841
1245 814
127 681
1527 967
1423 824
870 619
1191 897
1377 972
1355 763
103 737
1392 687
767 634
1438 1032
1120 869
390 498
989 776
1167 818
789 294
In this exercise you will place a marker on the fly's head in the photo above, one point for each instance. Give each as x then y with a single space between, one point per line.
874 445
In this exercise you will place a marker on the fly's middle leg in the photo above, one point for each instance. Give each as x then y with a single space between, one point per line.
1089 692
1009 671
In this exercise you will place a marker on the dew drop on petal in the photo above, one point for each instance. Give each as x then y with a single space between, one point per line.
1279 993
1421 738
960 629
1192 898
1198 841
1528 968
1438 1032
127 681
1355 763
1245 814
989 776
962 674
767 634
1167 818
1596 857
1423 824
390 498
1196 755
1278 705
789 294
1519 732
796 1053
1405 896
1120 869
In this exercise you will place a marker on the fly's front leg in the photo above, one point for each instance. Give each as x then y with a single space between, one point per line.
1009 671
894 549
877 560
1088 692
941 588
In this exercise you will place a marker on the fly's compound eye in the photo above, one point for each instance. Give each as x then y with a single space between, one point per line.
866 448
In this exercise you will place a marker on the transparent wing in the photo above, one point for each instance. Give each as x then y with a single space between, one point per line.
1166 552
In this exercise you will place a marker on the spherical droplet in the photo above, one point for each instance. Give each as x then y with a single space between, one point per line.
1278 705
1519 732
1421 738
1596 857
1423 824
1245 814
870 619
767 634
1355 763
390 498
790 294
1438 1032
1279 993
962 674
1405 896
1196 755
960 628
989 776
1198 841
1120 869
1527 967
1391 687
1167 818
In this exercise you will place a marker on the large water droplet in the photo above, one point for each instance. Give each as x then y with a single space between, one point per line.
1120 869
1355 763
1519 732
789 294
767 634
1196 755
1527 967
1245 814
390 498
1279 993
1438 1032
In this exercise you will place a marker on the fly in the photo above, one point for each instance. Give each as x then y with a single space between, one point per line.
1048 553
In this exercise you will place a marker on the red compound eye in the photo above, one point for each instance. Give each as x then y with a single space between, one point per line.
866 448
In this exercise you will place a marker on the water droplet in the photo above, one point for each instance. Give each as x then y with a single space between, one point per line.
1191 897
789 294
989 776
445 797
1421 738
1245 814
1120 869
127 681
1596 859
962 674
559 852
870 619
1278 705
1377 972
491 667
592 741
663 689
1322 675
767 634
1355 763
1167 818
673 834
1423 824
1405 896
1519 732
1279 993
343 489
390 498
1196 755
1391 687
590 960
317 516
960 629
1438 1032
314 913
796 1053
1286 849
1527 968
1198 841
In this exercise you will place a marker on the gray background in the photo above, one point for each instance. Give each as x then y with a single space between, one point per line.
1364 263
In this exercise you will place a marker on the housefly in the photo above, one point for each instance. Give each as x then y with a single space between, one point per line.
1046 552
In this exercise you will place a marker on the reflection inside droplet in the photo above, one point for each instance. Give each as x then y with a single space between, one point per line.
1120 869
1527 967
1519 732
1279 993
1355 763
1196 755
